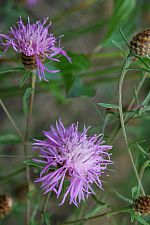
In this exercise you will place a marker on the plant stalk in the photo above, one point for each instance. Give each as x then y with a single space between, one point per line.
26 153
12 121
123 73
44 207
110 213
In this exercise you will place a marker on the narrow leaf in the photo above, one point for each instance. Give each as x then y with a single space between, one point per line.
109 106
25 99
9 139
123 197
119 47
141 220
24 79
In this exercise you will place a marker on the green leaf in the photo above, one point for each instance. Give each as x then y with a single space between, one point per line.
141 220
47 218
109 106
11 70
25 99
9 139
146 100
32 163
142 150
96 209
69 71
132 216
78 89
123 197
54 88
24 79
69 80
135 192
122 16
52 76
80 63
119 47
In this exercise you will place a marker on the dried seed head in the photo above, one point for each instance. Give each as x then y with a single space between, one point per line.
30 62
140 43
6 203
142 205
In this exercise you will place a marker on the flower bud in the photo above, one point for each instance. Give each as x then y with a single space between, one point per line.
140 44
6 203
142 205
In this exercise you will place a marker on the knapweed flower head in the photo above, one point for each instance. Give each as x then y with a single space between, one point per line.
69 155
35 44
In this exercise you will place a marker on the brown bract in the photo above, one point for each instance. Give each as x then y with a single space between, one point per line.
6 203
30 62
142 205
140 43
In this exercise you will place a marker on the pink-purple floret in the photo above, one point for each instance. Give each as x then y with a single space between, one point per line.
34 40
67 154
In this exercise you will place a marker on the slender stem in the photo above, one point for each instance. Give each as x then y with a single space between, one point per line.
28 124
129 107
146 164
110 213
124 70
11 120
137 91
11 174
44 207
29 116
105 123
25 138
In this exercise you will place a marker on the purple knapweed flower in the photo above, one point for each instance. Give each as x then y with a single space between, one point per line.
69 154
35 44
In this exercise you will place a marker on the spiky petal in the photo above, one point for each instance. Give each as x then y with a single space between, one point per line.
68 154
35 44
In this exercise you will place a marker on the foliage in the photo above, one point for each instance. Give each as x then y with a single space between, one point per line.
98 51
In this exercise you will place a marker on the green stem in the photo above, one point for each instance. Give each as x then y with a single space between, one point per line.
110 213
14 173
12 121
144 166
44 207
28 124
137 91
124 70
129 107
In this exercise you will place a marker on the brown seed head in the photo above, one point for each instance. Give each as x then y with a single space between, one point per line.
6 203
140 43
142 205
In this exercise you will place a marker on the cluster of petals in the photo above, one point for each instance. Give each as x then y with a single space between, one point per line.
70 156
34 40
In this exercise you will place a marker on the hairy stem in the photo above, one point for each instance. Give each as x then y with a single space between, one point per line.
28 124
124 70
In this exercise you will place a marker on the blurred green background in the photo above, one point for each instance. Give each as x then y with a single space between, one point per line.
89 28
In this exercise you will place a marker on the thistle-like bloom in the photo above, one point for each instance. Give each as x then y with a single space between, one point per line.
35 44
67 154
